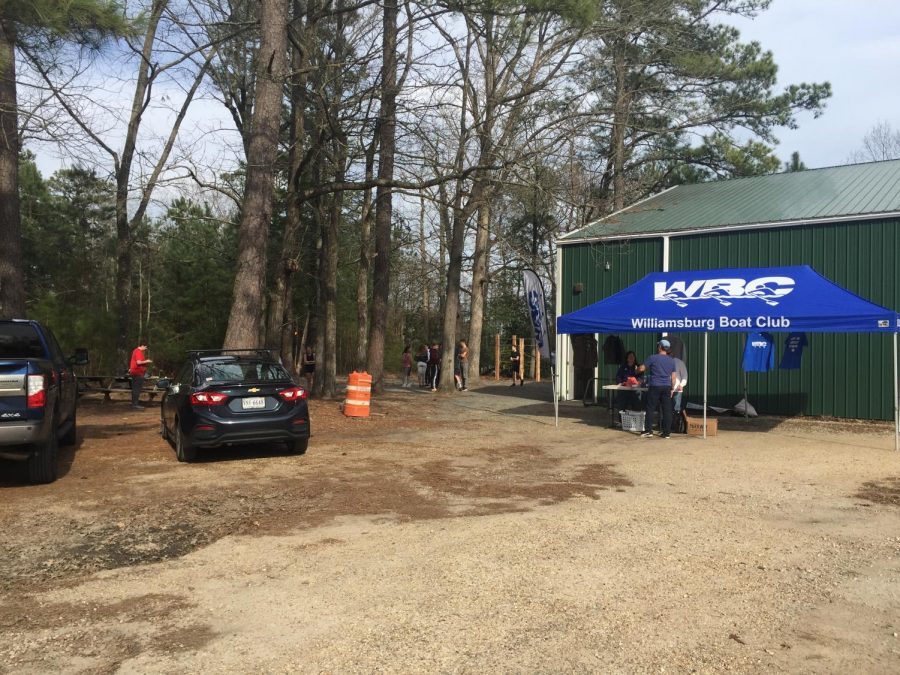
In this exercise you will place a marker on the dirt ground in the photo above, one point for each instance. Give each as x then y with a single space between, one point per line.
458 534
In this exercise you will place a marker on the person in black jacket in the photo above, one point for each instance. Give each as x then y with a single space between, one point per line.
628 400
434 366
514 361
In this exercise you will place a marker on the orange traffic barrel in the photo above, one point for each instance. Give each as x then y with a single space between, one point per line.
359 390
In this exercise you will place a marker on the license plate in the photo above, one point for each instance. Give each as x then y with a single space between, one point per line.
253 402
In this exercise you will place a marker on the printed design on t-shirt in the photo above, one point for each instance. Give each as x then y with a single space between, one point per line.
759 353
793 351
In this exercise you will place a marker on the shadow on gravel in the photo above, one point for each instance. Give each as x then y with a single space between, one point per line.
236 453
532 391
14 473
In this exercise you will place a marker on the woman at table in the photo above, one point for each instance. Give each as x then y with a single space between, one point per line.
628 400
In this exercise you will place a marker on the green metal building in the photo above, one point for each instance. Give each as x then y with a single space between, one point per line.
842 221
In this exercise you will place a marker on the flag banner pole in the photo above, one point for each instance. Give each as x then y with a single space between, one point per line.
896 400
705 377
746 400
534 299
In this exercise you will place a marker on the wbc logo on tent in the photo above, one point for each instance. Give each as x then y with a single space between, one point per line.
769 290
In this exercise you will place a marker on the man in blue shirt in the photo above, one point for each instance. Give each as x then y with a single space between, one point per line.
660 371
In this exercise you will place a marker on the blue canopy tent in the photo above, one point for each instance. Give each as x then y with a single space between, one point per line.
737 300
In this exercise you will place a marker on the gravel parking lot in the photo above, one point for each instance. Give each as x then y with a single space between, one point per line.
460 534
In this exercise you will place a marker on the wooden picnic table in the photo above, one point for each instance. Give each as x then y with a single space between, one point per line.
107 384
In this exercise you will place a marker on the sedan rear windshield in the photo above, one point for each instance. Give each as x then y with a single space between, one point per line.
20 341
241 371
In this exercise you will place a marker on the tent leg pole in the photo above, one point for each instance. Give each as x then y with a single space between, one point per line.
896 400
705 377
555 397
746 400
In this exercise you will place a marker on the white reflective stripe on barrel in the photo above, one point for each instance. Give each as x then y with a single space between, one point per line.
354 387
349 402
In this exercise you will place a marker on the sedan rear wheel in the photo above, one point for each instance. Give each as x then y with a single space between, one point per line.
184 451
164 431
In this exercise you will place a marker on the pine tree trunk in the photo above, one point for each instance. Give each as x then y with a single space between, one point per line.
620 124
365 265
451 301
328 355
479 290
12 272
318 309
281 327
425 277
256 211
387 123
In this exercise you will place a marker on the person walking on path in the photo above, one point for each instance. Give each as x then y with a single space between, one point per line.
407 366
434 366
514 360
661 378
463 366
309 367
138 371
422 365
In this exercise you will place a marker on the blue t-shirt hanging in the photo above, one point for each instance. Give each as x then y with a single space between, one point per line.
759 353
793 350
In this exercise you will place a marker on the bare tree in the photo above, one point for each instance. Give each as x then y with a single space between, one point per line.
880 143
27 26
130 213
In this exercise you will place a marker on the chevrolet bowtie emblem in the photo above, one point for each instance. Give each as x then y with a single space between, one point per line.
253 390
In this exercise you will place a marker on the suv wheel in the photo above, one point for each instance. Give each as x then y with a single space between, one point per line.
42 461
69 438
184 451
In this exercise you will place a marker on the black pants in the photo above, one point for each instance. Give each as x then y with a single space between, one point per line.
137 383
628 400
659 396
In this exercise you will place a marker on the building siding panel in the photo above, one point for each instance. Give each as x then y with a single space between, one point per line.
629 261
842 375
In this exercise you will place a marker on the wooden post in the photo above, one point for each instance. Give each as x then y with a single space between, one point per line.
537 362
521 359
497 356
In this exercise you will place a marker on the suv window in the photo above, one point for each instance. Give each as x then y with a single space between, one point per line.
240 371
20 341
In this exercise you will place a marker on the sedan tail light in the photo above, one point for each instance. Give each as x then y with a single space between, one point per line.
37 391
293 394
208 398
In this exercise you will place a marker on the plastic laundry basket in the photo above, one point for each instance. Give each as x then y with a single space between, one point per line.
632 420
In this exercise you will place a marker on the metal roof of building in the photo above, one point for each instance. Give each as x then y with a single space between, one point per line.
864 190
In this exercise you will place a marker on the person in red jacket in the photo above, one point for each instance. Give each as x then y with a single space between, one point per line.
138 370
